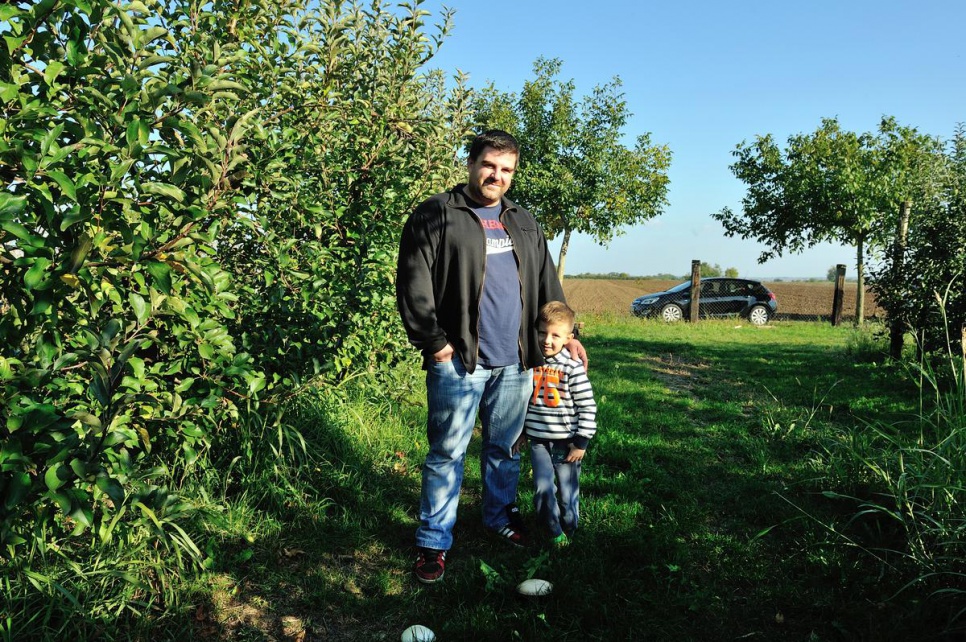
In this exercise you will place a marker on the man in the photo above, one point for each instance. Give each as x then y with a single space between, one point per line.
474 269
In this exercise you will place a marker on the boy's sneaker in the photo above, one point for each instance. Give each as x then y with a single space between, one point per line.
560 541
430 565
514 531
512 536
516 519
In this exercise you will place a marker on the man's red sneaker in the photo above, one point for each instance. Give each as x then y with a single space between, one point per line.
430 565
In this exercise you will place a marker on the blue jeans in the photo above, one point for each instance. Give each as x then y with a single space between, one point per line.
454 397
556 493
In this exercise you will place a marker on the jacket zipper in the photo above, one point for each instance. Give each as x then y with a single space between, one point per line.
479 294
516 256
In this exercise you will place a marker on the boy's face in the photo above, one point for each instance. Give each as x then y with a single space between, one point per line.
553 337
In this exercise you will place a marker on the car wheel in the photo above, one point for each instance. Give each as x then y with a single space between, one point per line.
758 315
672 312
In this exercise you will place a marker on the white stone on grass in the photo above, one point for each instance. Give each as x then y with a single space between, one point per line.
534 588
418 633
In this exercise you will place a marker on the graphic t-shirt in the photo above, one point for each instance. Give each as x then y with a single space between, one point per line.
500 304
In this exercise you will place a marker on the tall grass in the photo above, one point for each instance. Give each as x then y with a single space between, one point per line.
84 588
914 477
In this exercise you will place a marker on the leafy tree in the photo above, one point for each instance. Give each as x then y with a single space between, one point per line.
115 359
731 273
710 270
831 185
922 286
199 210
575 174
352 135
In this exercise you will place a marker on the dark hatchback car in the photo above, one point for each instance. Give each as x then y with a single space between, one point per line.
720 296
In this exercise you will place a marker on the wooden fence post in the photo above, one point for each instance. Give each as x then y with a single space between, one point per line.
839 294
695 289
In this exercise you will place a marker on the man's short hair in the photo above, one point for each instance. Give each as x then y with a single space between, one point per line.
496 139
554 312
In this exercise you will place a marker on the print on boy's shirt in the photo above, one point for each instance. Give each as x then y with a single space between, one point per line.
545 382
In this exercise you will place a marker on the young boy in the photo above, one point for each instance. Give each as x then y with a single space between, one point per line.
561 419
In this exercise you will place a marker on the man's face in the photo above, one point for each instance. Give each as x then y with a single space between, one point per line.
553 337
490 175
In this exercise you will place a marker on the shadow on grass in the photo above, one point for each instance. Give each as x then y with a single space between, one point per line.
701 518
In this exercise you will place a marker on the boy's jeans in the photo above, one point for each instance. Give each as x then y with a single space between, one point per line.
556 515
454 397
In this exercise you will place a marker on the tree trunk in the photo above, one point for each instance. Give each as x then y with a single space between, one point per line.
897 322
562 258
860 280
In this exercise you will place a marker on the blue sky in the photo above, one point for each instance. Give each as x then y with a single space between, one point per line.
702 76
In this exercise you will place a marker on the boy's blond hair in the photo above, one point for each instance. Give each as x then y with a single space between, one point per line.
554 312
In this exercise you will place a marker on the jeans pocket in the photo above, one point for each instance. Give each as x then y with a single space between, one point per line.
454 365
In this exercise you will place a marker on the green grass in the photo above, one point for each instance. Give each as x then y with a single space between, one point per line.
722 499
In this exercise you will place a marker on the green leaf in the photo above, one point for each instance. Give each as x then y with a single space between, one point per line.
84 517
52 70
63 501
49 141
112 488
150 61
75 52
79 253
153 33
141 309
42 415
132 133
42 305
164 189
75 216
161 272
79 467
35 275
100 384
137 367
16 489
7 368
8 92
221 85
64 183
110 331
88 419
14 43
56 475
11 205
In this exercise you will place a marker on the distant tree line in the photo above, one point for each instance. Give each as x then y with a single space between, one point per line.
706 270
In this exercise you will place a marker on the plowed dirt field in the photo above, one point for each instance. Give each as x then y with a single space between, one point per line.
796 299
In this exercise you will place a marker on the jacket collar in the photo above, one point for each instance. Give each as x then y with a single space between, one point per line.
458 198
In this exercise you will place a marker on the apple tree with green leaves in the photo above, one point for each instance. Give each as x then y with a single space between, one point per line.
831 185
200 209
575 172
350 135
921 279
